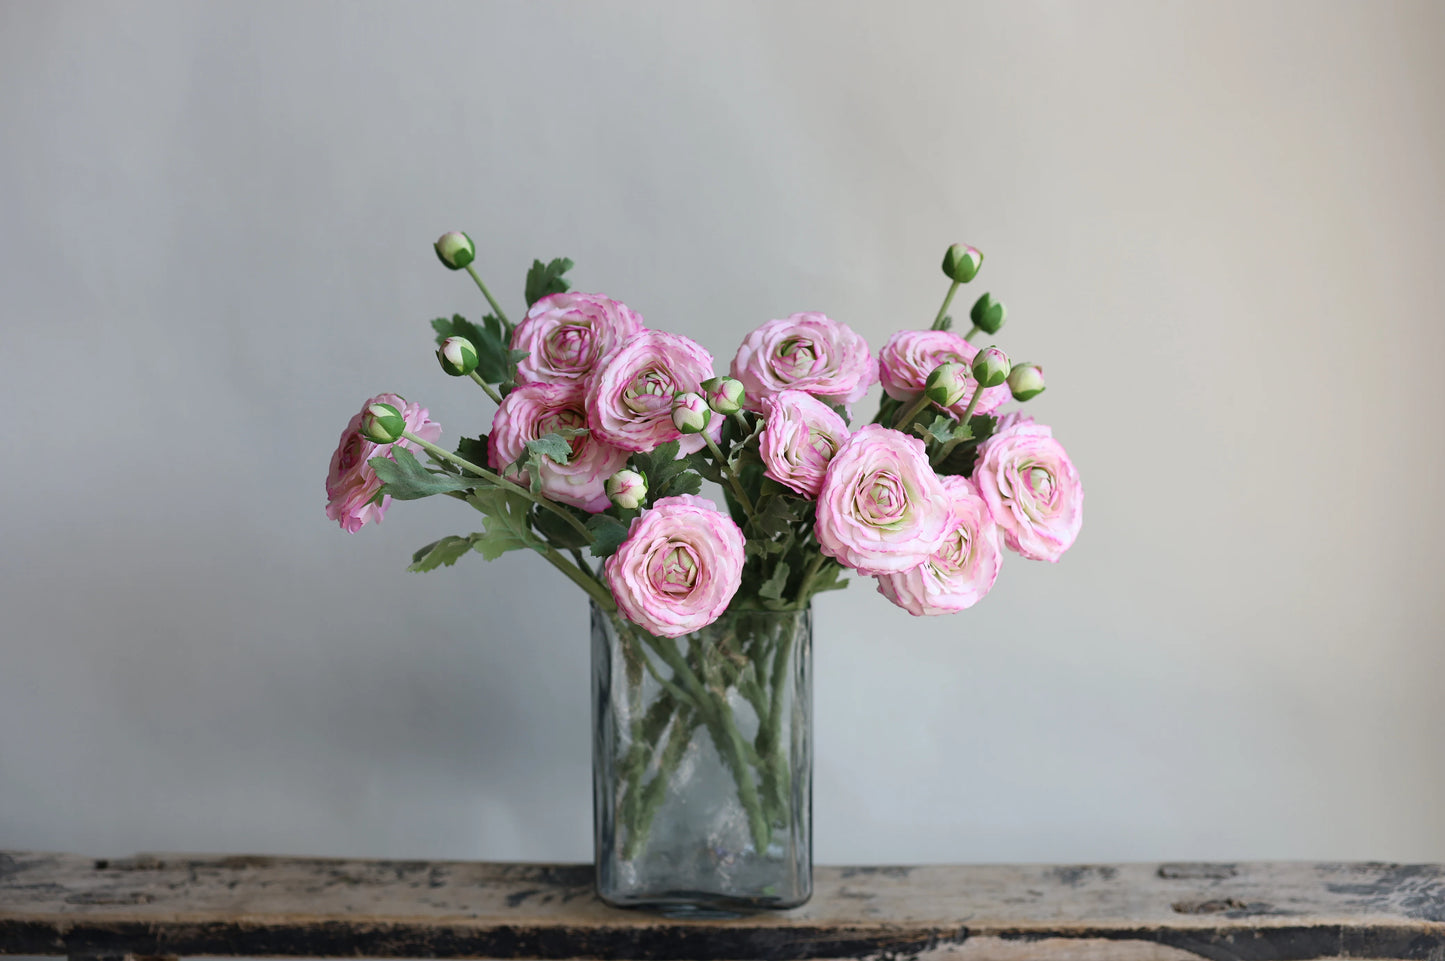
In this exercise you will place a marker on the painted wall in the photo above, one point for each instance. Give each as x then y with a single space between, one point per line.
1219 226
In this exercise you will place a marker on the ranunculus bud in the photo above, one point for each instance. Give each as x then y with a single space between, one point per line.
1026 381
961 263
382 424
458 356
947 384
724 394
991 367
627 489
690 413
988 314
455 249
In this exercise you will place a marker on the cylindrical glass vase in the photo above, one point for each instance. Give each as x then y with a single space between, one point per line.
702 763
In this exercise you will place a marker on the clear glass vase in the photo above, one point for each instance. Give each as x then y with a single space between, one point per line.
702 763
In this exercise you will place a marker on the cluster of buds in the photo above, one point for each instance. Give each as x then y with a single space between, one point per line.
382 424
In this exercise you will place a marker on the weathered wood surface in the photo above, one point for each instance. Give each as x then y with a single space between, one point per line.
257 906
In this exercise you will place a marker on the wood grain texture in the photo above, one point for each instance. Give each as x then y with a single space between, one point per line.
257 906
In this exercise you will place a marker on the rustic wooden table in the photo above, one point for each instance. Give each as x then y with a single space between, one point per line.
172 906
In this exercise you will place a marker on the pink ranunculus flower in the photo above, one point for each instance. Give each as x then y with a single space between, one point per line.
679 567
567 335
351 484
1031 488
959 573
800 436
910 356
629 399
881 509
808 352
534 410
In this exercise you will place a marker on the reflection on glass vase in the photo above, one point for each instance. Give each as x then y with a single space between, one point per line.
702 763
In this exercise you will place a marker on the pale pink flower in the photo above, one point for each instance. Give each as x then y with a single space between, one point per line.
910 356
1031 488
800 436
535 410
351 484
567 335
959 573
881 509
629 399
807 352
679 567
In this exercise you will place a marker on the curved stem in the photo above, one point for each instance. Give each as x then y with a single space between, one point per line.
733 480
943 311
491 391
499 481
972 332
948 447
594 590
501 314
906 416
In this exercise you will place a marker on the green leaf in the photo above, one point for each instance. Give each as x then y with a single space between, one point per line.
660 466
608 533
686 483
983 426
557 530
507 527
775 517
544 279
772 588
406 480
473 449
553 446
494 358
941 431
456 326
442 553
831 578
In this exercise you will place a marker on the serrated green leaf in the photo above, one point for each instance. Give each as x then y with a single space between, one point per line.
544 279
456 326
506 524
553 446
473 449
684 483
494 357
772 588
775 517
405 479
941 430
608 533
442 553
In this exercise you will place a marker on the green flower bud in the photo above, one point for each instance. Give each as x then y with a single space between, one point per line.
961 263
690 413
458 356
990 367
947 384
724 394
987 314
1026 381
627 489
455 249
382 424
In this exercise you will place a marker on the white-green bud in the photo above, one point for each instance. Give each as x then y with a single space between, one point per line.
455 249
990 367
947 384
961 263
627 489
458 356
988 314
1026 381
690 413
382 424
724 394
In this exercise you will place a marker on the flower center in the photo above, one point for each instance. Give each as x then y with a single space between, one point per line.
797 357
675 571
567 418
884 499
1041 484
650 391
570 347
351 453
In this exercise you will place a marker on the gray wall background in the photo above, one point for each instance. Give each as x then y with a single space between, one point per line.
1220 227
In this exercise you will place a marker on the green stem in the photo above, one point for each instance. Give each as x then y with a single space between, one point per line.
499 481
810 575
943 311
501 314
491 392
948 447
911 411
678 738
733 480
594 590
972 331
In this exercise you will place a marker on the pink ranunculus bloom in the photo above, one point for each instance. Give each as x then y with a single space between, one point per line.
800 436
567 335
351 484
679 567
881 509
629 399
1031 488
807 352
910 356
534 410
959 573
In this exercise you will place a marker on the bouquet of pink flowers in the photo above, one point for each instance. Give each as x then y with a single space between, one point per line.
606 429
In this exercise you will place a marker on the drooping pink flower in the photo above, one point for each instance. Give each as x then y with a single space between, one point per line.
800 436
679 567
567 335
963 570
351 484
910 356
808 352
1031 488
629 399
881 508
534 410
